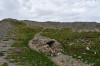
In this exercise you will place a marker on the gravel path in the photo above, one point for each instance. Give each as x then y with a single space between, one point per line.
65 60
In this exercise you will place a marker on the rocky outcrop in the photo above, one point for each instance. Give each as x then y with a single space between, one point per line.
44 44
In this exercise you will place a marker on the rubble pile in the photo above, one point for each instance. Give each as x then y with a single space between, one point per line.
44 44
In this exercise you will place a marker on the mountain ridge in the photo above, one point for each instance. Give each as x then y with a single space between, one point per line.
51 24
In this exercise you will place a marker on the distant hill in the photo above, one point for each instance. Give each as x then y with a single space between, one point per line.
50 24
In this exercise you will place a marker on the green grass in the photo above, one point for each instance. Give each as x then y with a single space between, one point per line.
27 56
6 40
5 64
1 53
75 43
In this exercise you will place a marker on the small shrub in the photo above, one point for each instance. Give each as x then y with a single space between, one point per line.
5 64
1 54
6 40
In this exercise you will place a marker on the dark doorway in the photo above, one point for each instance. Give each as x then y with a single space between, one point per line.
51 43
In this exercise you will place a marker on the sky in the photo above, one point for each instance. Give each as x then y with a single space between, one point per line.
51 10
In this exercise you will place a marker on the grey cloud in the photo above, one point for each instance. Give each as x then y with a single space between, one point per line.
41 12
54 10
10 9
10 4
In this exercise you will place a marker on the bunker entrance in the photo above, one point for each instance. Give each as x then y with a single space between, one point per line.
51 43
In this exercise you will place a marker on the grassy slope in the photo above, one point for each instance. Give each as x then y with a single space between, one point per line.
27 57
79 43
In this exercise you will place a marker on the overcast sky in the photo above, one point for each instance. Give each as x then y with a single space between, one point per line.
51 10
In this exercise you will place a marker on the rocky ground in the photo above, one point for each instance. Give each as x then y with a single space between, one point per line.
65 60
5 42
39 43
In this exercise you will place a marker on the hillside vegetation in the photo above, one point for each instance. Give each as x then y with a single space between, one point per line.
22 54
79 40
84 46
